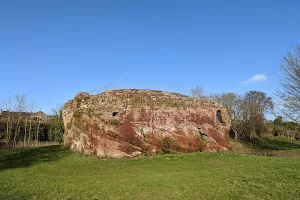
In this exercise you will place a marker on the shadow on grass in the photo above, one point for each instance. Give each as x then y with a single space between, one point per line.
25 157
272 144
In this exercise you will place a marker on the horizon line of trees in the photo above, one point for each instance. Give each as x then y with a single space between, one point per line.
22 130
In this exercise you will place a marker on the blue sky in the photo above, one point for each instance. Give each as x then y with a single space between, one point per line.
50 50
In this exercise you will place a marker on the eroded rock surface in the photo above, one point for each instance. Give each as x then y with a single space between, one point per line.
128 123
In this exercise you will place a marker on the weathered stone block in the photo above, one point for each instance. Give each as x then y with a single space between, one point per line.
127 123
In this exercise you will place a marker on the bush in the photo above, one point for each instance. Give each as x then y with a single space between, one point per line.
169 145
115 122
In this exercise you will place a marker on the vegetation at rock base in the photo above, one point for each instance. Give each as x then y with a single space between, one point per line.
32 173
115 122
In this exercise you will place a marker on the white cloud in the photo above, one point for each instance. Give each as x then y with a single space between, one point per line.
254 79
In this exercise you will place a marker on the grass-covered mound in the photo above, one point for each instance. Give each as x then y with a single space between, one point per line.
57 173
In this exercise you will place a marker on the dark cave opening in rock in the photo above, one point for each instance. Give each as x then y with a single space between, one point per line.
219 116
114 114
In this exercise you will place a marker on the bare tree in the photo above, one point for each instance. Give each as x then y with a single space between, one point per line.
31 108
20 106
247 111
290 84
254 107
232 101
7 105
38 131
56 122
197 92
1 107
20 103
25 133
57 110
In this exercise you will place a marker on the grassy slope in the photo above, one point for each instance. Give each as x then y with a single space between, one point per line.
272 146
56 173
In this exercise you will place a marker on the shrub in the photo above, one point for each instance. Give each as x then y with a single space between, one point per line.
115 122
169 145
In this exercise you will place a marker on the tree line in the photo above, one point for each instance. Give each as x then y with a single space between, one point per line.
20 127
248 115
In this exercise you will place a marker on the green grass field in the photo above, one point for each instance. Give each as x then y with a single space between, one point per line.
57 173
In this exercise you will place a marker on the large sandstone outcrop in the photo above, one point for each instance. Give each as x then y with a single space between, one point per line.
126 123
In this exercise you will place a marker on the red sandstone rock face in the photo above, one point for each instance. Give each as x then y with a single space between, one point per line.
126 123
